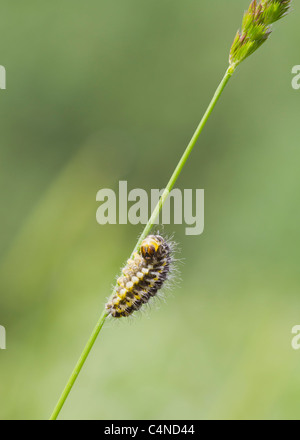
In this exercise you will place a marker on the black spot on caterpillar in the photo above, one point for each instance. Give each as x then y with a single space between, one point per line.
142 277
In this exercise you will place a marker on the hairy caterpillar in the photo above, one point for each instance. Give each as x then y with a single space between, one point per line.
142 277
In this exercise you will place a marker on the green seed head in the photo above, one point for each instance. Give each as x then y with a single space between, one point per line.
256 27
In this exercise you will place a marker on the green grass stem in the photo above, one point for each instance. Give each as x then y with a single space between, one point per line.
145 232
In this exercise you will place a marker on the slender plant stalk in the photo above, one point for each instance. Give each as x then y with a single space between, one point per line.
256 29
78 366
145 232
185 156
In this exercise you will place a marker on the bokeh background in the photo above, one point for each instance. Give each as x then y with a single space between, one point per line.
99 92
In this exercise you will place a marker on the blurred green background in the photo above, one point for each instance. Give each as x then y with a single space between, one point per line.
99 92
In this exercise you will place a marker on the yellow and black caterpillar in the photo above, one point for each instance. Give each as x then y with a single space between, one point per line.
142 277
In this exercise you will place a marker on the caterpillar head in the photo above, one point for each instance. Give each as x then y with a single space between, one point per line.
151 247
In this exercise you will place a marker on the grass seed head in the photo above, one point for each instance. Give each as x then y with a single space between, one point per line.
256 27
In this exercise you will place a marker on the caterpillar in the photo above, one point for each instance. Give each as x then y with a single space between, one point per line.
142 277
